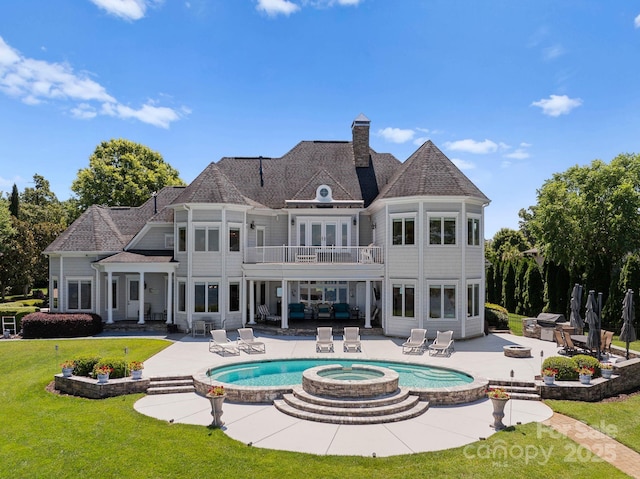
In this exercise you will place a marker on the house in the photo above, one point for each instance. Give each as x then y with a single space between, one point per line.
329 222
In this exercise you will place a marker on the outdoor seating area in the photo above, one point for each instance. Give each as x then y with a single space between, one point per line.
416 342
248 343
443 344
220 343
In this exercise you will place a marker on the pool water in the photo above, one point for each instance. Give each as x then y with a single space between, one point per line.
288 372
351 374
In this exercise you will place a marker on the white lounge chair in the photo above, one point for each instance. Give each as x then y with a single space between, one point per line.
324 339
352 339
443 344
219 343
416 342
247 342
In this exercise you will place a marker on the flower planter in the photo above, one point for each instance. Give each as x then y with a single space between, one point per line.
136 374
549 380
103 378
498 412
216 409
67 372
606 373
585 379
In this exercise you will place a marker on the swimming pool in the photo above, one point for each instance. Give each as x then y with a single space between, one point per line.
288 372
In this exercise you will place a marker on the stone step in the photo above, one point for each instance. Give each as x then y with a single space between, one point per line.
418 409
526 390
363 411
171 385
171 390
506 382
526 396
171 382
400 395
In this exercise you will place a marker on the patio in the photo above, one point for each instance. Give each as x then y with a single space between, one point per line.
441 427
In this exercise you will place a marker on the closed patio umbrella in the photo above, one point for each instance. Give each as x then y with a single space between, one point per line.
628 333
591 318
576 299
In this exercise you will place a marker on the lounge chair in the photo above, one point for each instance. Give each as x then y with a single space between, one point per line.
247 342
559 337
570 348
324 340
416 342
265 315
352 339
219 343
443 344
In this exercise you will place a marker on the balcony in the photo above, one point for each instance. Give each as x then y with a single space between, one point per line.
315 255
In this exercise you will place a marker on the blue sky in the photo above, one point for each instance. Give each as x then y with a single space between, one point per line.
512 92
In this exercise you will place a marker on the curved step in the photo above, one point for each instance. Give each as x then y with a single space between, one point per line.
364 411
398 396
418 409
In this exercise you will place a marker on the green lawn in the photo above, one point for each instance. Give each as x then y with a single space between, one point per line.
53 436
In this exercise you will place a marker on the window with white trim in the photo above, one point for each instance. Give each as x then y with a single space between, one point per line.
442 230
442 301
205 297
182 239
206 239
234 296
181 294
473 299
79 294
234 238
404 300
403 231
473 231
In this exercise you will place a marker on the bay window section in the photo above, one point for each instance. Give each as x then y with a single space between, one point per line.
473 300
442 301
473 231
206 239
205 297
403 301
403 231
442 230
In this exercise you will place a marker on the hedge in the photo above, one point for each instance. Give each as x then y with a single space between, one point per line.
566 366
60 325
496 316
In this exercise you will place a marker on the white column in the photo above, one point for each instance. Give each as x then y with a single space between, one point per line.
285 308
169 297
62 288
367 305
109 298
252 302
141 299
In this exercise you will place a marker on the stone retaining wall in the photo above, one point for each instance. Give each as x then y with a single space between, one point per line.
89 387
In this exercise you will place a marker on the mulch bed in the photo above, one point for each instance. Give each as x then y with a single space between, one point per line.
622 397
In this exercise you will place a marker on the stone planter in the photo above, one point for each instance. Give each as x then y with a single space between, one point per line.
136 374
585 379
67 372
549 380
498 412
216 409
103 378
606 373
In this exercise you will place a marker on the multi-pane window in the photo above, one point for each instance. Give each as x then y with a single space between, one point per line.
442 230
234 239
205 297
403 230
206 239
182 238
234 296
473 300
442 301
473 231
79 294
404 300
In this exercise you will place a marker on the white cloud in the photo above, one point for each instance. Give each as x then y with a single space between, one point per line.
636 22
126 9
463 164
550 53
472 146
396 135
9 182
518 154
420 140
36 81
277 7
557 105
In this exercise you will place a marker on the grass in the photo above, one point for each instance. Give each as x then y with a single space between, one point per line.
515 323
47 435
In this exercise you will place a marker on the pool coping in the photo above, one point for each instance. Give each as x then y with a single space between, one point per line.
452 395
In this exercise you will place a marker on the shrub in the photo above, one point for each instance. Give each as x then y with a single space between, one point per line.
496 316
118 366
589 362
84 365
60 325
565 366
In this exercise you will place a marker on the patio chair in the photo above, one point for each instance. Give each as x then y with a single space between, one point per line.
443 344
247 341
147 311
570 348
341 311
605 344
265 315
560 342
219 343
296 311
324 340
352 339
199 328
324 311
416 342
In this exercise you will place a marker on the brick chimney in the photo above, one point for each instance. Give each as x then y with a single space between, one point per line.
360 132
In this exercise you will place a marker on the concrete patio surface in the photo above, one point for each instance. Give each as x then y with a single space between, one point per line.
441 427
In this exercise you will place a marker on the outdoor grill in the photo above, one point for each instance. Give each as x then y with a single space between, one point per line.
549 320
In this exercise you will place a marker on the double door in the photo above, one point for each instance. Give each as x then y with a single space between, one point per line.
324 233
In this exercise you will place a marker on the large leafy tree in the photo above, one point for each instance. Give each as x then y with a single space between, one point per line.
40 205
122 173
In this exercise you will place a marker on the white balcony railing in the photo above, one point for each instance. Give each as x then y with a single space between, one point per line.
315 254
